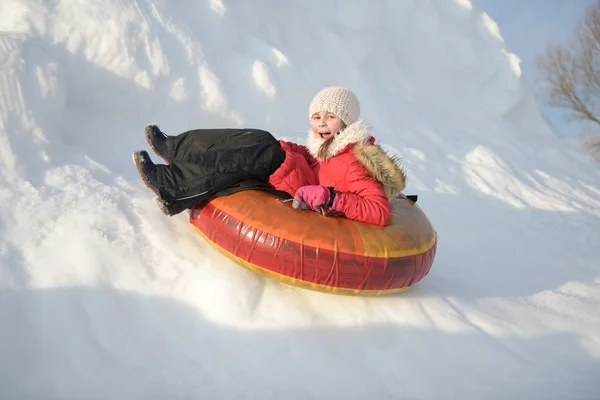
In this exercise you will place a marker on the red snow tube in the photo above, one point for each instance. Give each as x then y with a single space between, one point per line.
303 248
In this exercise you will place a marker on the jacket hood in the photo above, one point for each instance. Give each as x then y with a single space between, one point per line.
381 165
384 167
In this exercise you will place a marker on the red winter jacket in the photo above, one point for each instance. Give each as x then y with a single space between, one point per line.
360 171
295 171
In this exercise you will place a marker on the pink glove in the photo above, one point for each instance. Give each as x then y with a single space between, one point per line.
313 197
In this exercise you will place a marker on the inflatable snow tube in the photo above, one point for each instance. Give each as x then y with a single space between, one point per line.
305 249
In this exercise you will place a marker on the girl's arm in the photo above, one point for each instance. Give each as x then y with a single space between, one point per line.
303 150
294 172
365 199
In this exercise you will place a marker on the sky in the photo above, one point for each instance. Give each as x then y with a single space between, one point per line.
528 27
103 296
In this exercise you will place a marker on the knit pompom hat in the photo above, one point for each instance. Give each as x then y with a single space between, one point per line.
338 100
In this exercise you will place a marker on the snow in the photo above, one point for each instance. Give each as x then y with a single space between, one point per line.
102 296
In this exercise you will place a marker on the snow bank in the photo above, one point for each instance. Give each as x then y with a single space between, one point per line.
100 294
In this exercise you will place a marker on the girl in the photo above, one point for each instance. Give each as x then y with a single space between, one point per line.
341 170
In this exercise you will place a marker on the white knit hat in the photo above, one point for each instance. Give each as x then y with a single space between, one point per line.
338 100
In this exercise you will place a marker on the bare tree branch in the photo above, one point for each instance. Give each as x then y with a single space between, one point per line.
591 144
571 73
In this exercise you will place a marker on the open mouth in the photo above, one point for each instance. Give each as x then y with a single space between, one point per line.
325 135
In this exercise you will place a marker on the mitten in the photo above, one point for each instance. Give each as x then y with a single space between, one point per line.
314 197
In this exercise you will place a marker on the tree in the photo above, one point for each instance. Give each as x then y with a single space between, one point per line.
571 72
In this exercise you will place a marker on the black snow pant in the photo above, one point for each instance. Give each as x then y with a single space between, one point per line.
206 163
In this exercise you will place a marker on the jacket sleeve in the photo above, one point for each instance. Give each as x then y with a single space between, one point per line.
302 150
365 199
294 172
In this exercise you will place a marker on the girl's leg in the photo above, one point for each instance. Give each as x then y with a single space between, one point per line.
188 145
182 184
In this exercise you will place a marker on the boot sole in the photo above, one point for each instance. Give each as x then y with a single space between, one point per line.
162 207
151 145
143 175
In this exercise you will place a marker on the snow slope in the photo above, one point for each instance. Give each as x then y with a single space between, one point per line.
102 296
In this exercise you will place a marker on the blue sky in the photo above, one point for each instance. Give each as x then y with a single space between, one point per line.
527 27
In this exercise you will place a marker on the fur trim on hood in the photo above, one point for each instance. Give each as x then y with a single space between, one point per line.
386 168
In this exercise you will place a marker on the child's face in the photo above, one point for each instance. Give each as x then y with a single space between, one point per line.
325 124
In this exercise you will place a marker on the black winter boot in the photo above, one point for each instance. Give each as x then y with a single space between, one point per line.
157 141
166 207
147 170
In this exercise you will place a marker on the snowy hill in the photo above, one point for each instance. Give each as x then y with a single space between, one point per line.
102 296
